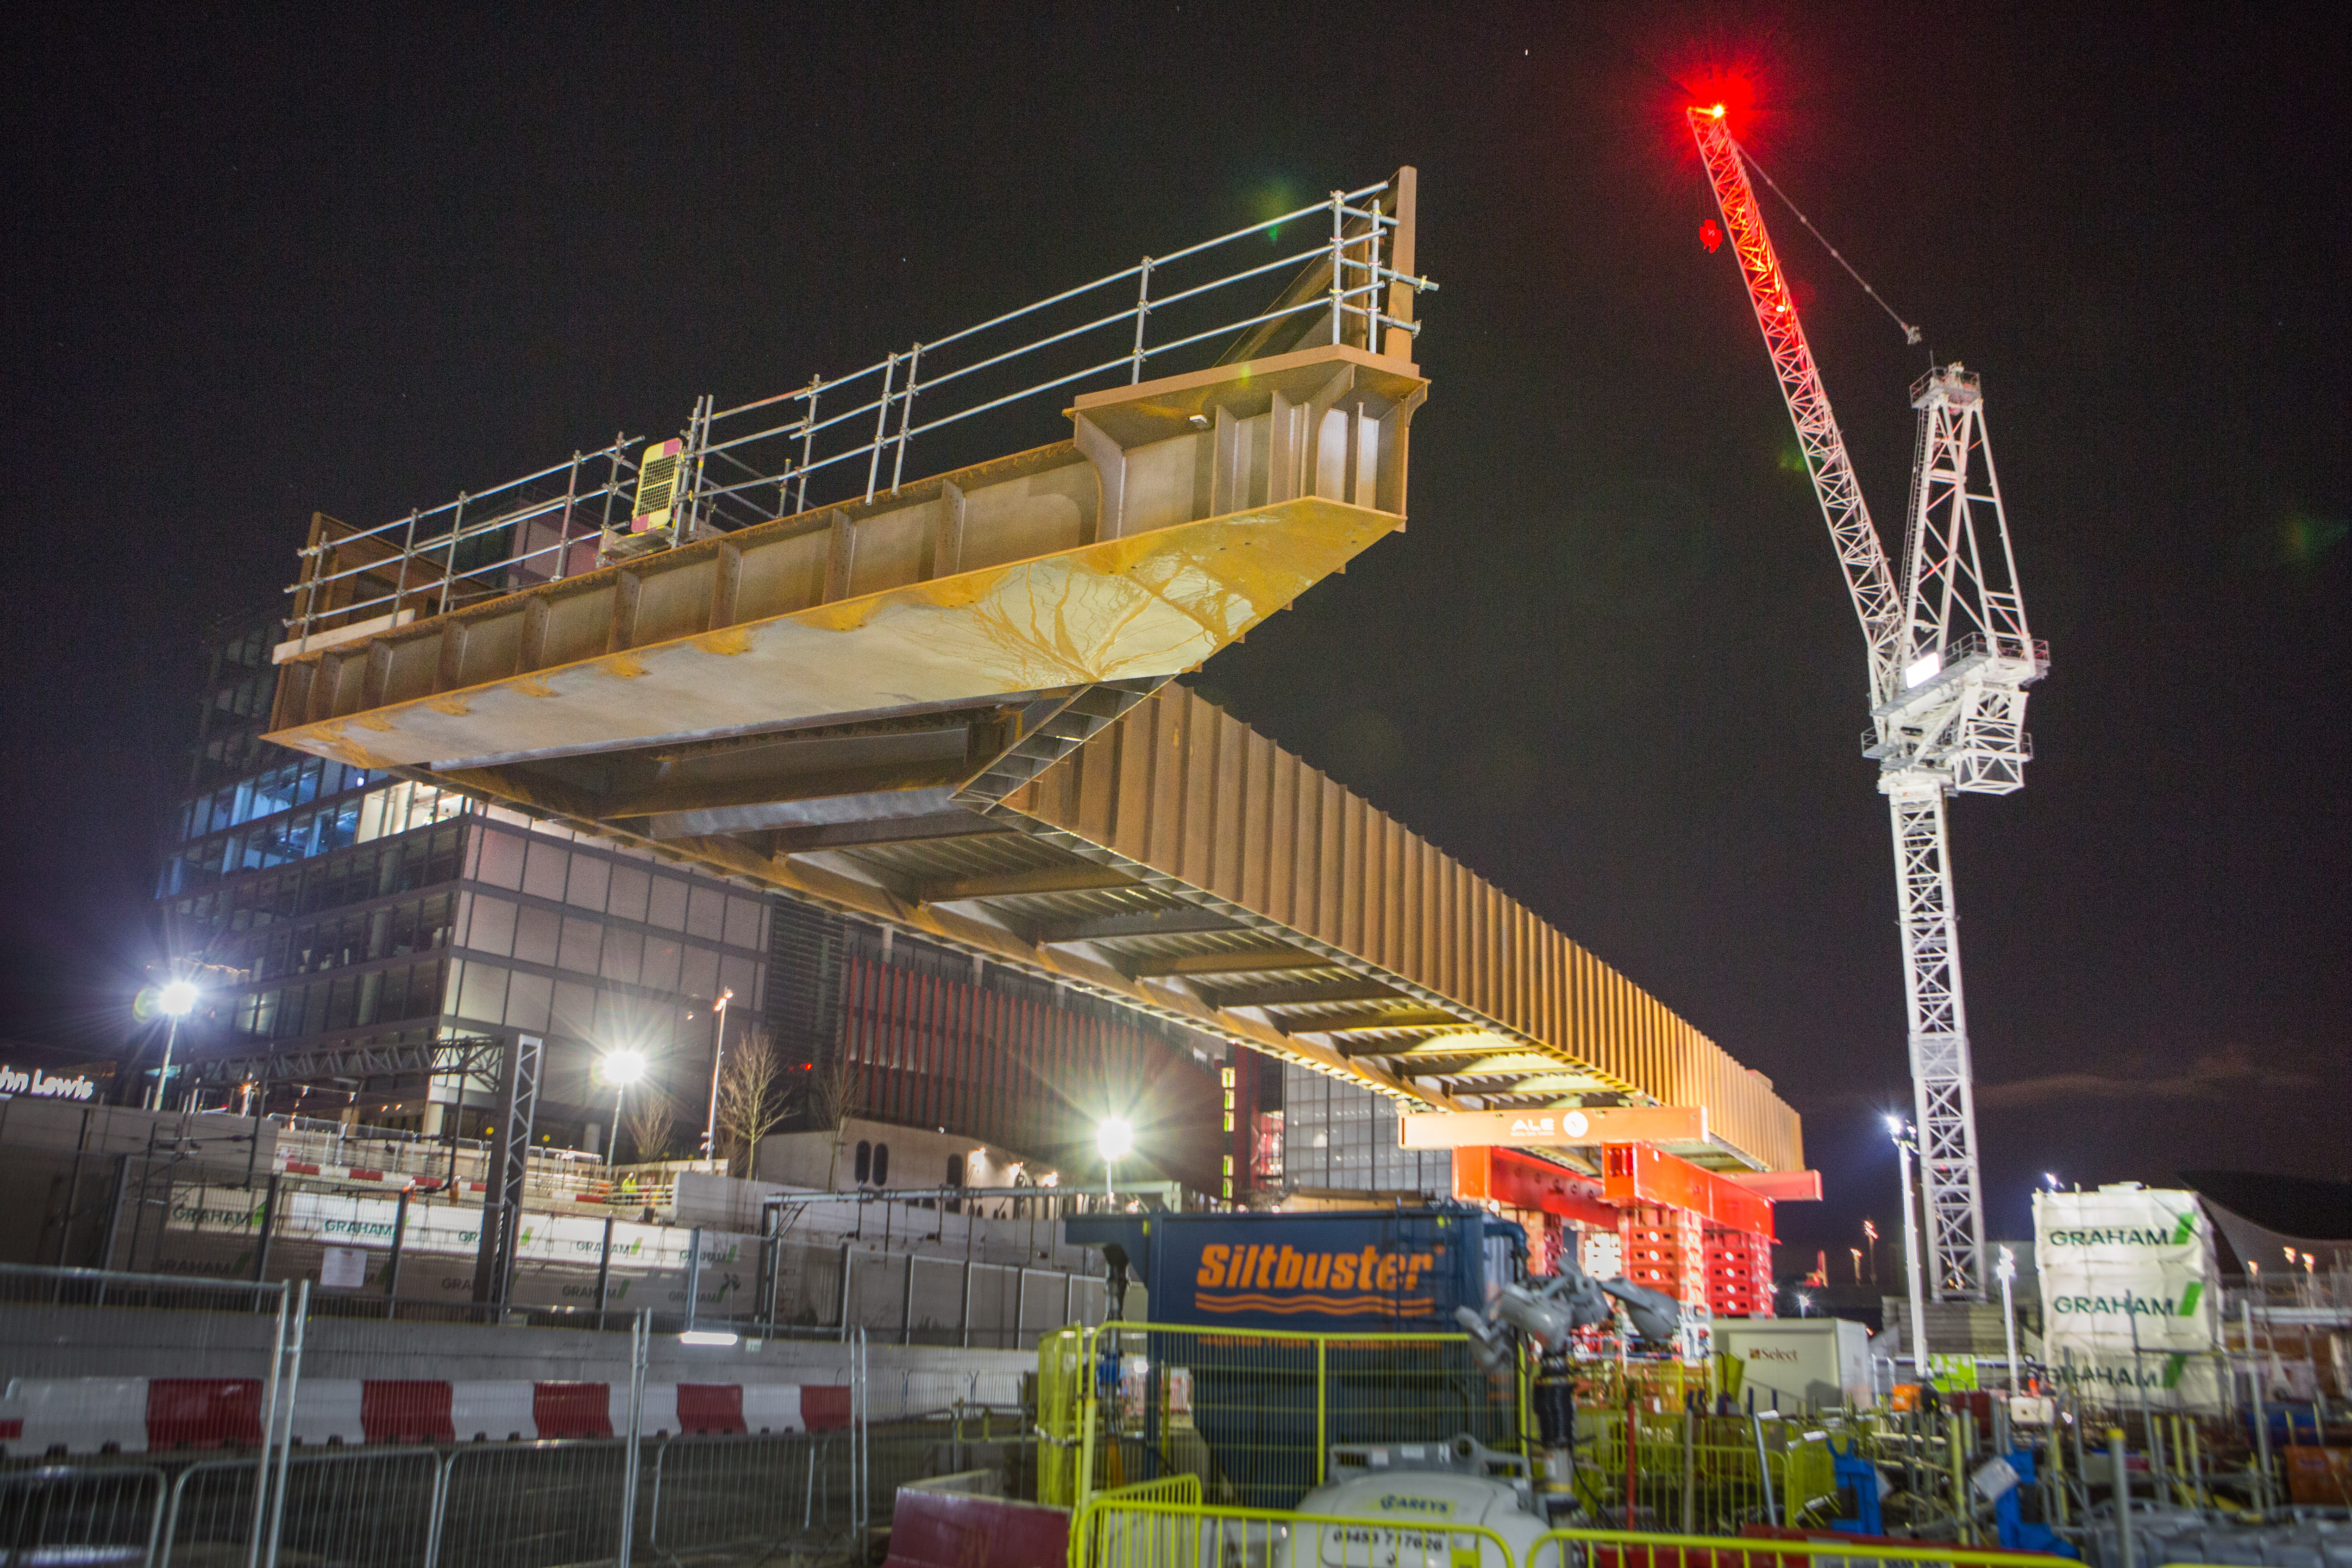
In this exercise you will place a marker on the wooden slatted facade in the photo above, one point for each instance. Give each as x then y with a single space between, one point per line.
1188 791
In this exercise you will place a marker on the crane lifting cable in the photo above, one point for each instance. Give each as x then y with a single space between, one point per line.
1910 333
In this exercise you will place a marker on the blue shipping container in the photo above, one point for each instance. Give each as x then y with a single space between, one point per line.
1371 1271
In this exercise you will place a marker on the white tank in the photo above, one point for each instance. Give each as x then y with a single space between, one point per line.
1415 1501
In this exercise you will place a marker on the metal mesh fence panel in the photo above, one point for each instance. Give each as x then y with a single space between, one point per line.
520 1505
1255 1415
93 1514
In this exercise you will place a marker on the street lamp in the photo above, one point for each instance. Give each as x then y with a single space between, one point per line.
1114 1137
1901 1133
622 1068
2005 1270
1804 1305
176 1001
717 1054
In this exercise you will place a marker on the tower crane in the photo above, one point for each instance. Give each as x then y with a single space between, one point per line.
1950 658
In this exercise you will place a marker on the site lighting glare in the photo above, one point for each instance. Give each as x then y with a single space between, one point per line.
707 1337
1114 1137
175 1002
620 1069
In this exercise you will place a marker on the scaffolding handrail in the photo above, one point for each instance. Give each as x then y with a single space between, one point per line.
424 554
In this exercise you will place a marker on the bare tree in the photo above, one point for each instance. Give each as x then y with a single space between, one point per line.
651 1121
836 1094
754 1097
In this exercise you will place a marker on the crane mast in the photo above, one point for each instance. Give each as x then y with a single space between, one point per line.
1950 657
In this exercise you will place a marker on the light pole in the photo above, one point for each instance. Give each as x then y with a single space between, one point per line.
1870 1234
1116 1138
622 1068
718 1055
2005 1270
176 1001
1901 1133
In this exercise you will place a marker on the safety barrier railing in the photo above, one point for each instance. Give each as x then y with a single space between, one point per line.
262 1497
1702 1473
1124 1532
1252 1412
62 1513
754 461
1789 1549
1114 1532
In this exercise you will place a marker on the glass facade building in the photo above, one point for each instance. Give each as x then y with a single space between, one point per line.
333 905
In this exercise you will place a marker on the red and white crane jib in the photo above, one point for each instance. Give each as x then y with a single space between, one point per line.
1876 602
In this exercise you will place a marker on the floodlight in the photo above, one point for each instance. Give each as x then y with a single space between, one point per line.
1114 1137
178 999
623 1067
705 1337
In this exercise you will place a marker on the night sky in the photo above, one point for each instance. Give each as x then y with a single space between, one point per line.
266 262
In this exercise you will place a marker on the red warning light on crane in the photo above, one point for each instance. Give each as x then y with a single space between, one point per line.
1710 234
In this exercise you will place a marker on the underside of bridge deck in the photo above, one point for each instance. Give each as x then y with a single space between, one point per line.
946 708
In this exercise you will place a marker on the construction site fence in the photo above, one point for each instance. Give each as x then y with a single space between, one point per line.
479 1505
888 1266
238 1482
1250 1414
1112 1531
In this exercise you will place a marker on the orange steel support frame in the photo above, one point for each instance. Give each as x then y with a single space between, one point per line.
1516 1181
1637 1174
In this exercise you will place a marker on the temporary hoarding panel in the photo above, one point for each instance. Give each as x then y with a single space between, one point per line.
2128 1292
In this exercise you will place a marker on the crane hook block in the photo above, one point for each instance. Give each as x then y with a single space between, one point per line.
1710 234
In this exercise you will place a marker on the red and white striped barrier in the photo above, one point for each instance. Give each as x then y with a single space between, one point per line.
139 1414
357 1175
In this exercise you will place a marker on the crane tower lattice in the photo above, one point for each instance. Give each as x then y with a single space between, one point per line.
1950 658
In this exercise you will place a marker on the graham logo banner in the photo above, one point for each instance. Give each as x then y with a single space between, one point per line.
2128 1297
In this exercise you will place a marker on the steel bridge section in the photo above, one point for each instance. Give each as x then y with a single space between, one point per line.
943 707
